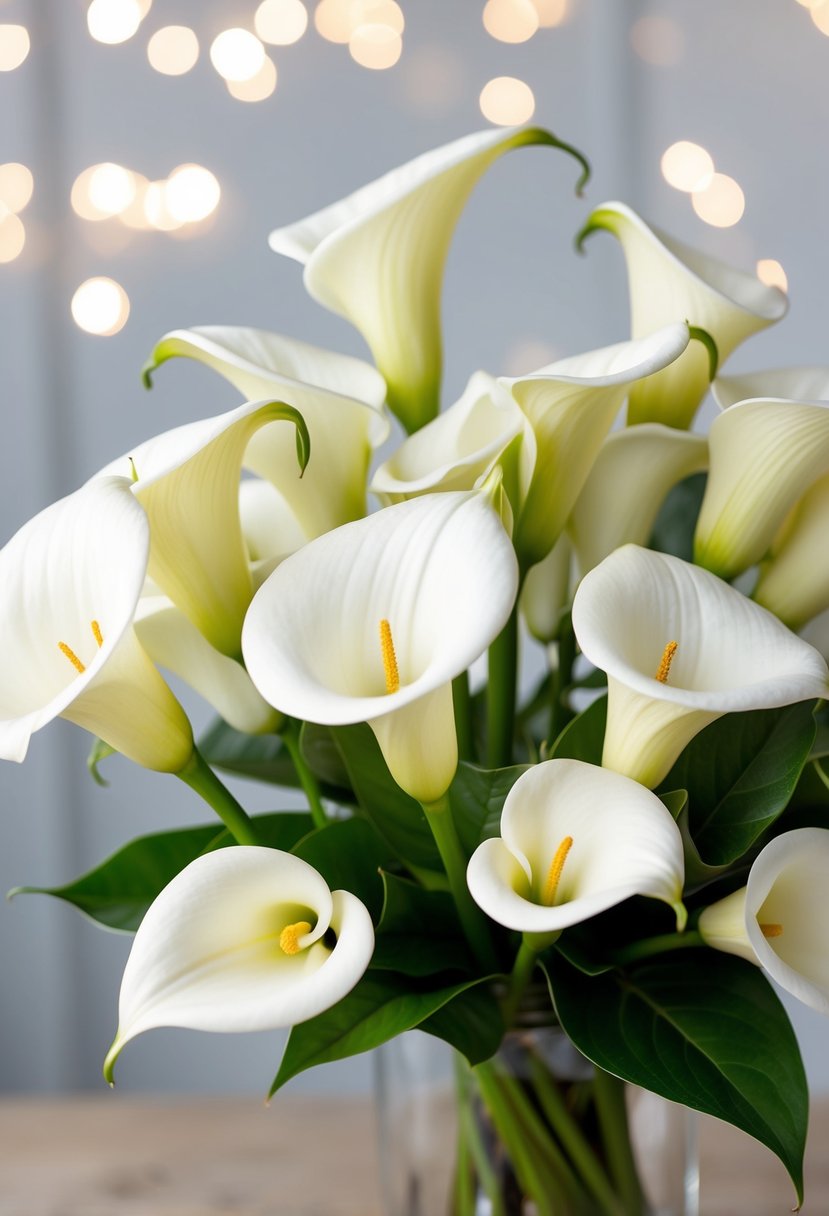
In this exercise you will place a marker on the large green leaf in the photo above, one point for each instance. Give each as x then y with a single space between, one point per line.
349 854
477 798
322 755
471 1022
673 531
700 1028
262 757
583 738
419 932
740 773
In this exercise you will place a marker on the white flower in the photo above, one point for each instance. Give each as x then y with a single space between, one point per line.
780 920
545 595
782 383
70 580
681 648
794 578
241 940
575 841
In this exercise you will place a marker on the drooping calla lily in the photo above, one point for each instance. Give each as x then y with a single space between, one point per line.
376 258
187 480
680 648
627 485
70 580
372 622
545 595
668 281
780 919
764 456
340 399
240 941
576 840
781 383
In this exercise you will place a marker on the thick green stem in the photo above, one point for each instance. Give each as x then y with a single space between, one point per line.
521 974
464 725
439 817
201 778
664 942
501 693
561 679
309 783
470 1137
609 1094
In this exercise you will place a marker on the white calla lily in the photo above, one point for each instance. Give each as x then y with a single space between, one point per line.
269 527
782 383
340 399
70 580
669 281
576 840
794 579
780 919
239 941
376 618
376 258
680 648
545 595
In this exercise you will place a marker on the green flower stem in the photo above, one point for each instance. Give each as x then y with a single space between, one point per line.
649 946
463 1197
609 1093
201 778
501 693
309 783
561 678
464 726
470 1137
521 974
439 817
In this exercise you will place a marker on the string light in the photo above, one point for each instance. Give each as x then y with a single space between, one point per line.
507 101
16 186
14 46
173 50
721 203
375 46
259 87
100 306
156 210
510 20
12 235
281 22
687 166
113 21
191 193
236 54
770 272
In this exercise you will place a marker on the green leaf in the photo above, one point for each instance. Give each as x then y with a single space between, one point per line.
673 531
477 797
322 755
583 738
349 854
471 1023
740 773
419 932
280 830
700 1028
262 757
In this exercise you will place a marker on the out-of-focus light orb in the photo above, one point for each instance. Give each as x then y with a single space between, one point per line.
820 15
135 215
259 87
333 20
191 193
236 54
12 236
433 78
145 6
721 203
657 40
111 188
377 12
770 272
113 21
14 47
100 306
281 22
550 12
510 20
156 210
173 50
528 355
375 46
507 101
16 186
687 166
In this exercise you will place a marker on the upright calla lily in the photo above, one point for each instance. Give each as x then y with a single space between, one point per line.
339 398
377 256
794 578
668 281
70 581
371 622
780 383
680 648
780 919
576 840
238 941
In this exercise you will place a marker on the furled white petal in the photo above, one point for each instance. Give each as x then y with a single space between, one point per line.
74 571
624 843
269 526
420 744
545 595
764 455
783 383
207 955
627 485
668 281
731 655
377 256
340 398
794 580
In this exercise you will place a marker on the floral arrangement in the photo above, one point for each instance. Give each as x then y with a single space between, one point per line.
650 860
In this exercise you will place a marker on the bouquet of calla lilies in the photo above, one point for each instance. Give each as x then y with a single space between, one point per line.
648 863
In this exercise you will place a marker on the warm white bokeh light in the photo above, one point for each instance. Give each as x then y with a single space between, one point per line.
687 166
173 50
507 101
820 15
550 12
259 87
135 215
375 46
12 235
770 272
100 306
14 47
721 203
510 20
281 22
111 188
16 186
333 20
156 211
377 12
657 40
113 21
236 54
191 193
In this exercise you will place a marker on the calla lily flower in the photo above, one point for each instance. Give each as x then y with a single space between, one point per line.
372 622
187 480
627 485
782 383
669 281
576 840
794 579
545 595
780 919
269 527
239 941
377 256
70 580
680 648
340 399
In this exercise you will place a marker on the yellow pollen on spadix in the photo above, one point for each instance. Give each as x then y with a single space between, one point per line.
664 668
771 930
389 657
69 653
290 935
554 873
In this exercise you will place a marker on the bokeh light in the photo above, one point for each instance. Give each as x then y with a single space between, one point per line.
339 20
259 87
14 46
550 12
12 235
113 21
157 212
507 101
173 50
191 193
332 19
820 15
721 203
111 189
236 54
510 20
375 46
687 166
100 306
281 22
433 78
16 186
135 215
657 40
770 272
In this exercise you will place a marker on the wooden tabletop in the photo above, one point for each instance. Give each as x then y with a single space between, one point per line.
104 1155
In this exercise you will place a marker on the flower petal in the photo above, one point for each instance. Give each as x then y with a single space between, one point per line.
545 596
783 383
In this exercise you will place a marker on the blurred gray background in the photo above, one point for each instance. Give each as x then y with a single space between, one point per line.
622 79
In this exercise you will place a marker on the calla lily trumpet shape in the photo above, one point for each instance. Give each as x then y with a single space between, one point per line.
545 595
680 648
794 579
576 840
780 919
340 399
70 581
781 383
372 622
377 256
240 941
668 281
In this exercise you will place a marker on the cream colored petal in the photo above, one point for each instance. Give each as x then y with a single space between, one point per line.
645 734
723 926
794 581
419 744
545 596
784 383
269 526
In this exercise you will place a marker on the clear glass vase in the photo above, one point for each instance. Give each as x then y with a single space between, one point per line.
536 1131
